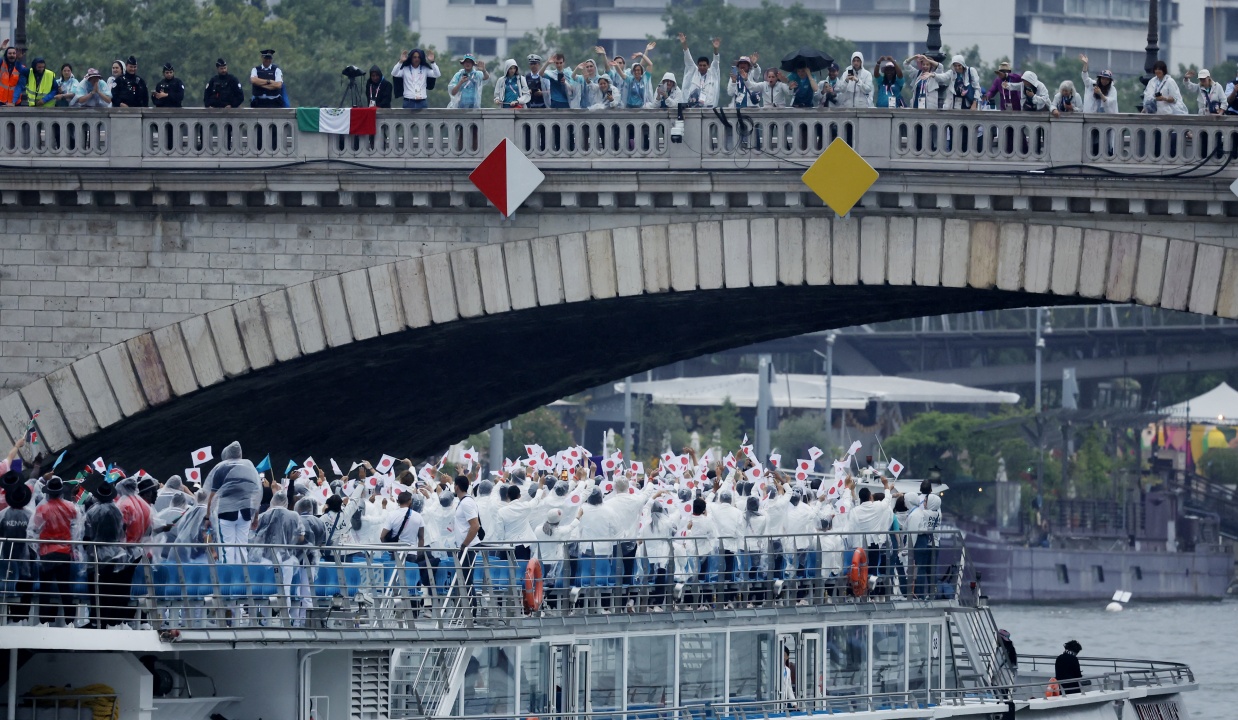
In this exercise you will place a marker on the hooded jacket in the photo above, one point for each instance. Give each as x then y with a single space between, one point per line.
962 89
667 98
1105 104
924 87
520 88
377 94
857 93
1038 99
1205 97
234 482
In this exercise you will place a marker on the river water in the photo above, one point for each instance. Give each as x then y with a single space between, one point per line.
1201 634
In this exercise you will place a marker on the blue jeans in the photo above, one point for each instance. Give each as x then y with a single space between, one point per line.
416 104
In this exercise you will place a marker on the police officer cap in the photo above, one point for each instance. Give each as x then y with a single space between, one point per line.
131 60
534 58
221 63
268 53
168 66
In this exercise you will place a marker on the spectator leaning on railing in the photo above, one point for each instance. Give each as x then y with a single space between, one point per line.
1007 88
1208 93
1066 100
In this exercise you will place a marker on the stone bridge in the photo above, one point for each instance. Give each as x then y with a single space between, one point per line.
171 279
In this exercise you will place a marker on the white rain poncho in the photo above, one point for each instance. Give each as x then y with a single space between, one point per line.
1106 103
552 539
1207 97
637 92
753 525
597 523
278 526
855 87
512 90
439 516
512 521
962 88
173 487
607 96
373 515
104 524
234 483
747 92
588 94
700 90
668 95
728 520
191 534
1035 94
926 518
1166 87
874 518
655 531
774 95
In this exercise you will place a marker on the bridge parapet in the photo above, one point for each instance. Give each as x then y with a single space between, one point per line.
625 140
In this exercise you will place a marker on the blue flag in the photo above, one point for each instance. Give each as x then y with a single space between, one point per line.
62 454
292 465
265 465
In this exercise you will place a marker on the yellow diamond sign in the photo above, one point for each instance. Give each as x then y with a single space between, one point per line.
840 177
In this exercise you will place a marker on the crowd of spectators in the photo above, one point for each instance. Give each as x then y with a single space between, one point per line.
917 82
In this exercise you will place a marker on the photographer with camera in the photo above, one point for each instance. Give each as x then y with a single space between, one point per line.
377 89
416 72
1162 96
1066 100
268 83
856 88
1099 95
465 86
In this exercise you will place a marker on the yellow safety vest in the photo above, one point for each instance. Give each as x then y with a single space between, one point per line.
40 89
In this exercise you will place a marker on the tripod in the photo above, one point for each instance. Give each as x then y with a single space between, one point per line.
352 95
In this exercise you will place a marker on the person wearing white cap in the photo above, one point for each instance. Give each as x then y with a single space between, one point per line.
92 91
552 536
1208 93
668 94
743 86
855 87
962 83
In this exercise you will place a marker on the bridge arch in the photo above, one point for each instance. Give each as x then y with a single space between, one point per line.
412 354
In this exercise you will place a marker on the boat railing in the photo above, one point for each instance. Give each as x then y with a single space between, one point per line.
182 586
1137 673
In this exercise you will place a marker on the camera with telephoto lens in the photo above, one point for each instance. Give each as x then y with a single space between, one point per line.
352 71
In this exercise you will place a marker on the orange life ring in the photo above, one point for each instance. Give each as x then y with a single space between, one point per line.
533 585
859 572
1053 689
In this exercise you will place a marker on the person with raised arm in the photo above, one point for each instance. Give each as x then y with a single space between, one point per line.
700 76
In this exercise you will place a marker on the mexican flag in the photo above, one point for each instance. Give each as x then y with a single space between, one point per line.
338 121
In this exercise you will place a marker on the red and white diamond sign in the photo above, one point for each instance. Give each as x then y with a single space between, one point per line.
506 177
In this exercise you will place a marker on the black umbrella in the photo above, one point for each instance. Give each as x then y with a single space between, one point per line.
807 57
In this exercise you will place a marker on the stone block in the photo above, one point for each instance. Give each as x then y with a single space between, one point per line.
149 368
465 280
333 310
818 251
439 288
305 318
175 359
1010 253
387 306
98 391
201 348
600 253
54 429
763 246
845 243
681 244
982 267
227 341
359 303
492 272
414 295
709 255
520 282
901 260
1094 263
874 234
1067 248
14 416
1038 258
736 265
1227 295
254 337
575 265
1179 266
790 234
655 258
955 253
280 325
1123 261
1151 270
547 270
1209 260
628 276
76 411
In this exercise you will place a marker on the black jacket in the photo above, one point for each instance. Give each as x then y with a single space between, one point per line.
223 91
378 93
131 91
1067 668
175 90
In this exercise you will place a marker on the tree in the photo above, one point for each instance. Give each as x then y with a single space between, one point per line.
661 424
576 44
314 39
725 423
796 434
771 30
538 427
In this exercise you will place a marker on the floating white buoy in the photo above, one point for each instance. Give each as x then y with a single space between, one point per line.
1119 598
1113 607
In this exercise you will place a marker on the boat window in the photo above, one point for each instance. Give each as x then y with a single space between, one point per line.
651 671
923 658
1063 575
847 648
889 654
754 667
534 679
1138 572
1099 572
606 673
490 681
700 672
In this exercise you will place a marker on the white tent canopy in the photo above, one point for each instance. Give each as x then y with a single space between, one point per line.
1219 404
850 392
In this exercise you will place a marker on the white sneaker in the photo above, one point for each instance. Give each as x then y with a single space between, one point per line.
658 608
802 603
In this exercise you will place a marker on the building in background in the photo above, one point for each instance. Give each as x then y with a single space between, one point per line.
485 28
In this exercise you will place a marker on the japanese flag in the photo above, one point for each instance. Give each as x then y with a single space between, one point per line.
202 455
667 457
442 461
638 468
815 452
323 492
608 487
427 473
729 462
802 469
684 460
336 469
311 466
896 468
99 466
775 459
610 463
754 473
384 464
470 456
193 475
855 448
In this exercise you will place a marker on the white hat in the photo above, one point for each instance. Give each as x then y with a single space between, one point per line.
959 59
554 517
1204 74
669 76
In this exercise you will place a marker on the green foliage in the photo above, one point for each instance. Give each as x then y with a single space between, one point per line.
541 427
313 39
725 423
772 31
1219 465
576 44
795 435
1130 90
660 425
1093 464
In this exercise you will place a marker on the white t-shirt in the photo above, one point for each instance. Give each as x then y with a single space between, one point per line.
466 510
395 518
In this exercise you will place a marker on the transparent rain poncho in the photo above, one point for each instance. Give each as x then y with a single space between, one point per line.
136 512
278 526
104 524
235 482
172 488
191 535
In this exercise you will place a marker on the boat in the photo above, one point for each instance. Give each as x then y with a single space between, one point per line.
378 632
